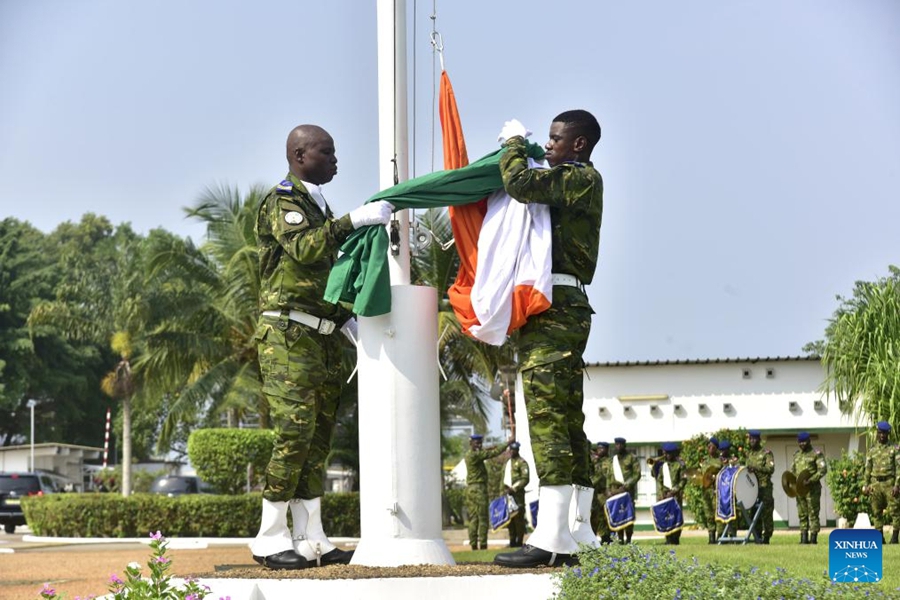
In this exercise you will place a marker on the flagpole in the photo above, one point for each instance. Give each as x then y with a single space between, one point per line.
399 415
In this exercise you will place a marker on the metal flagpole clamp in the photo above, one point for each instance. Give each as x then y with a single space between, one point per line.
323 326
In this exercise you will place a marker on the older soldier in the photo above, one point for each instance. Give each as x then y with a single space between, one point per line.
811 463
881 481
551 344
477 500
624 474
602 464
516 476
712 463
299 358
671 479
761 462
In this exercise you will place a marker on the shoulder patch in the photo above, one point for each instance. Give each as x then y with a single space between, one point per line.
293 217
768 451
285 187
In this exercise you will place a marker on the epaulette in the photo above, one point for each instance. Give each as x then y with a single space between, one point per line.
573 163
285 187
767 451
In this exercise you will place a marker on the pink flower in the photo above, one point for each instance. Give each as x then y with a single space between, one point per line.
162 560
156 536
114 579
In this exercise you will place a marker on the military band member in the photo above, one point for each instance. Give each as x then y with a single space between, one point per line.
477 500
725 460
602 465
624 474
671 479
711 463
761 462
881 480
811 463
516 476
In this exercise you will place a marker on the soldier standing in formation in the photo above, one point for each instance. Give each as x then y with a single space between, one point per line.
516 476
811 463
761 462
671 479
299 357
551 344
881 481
602 465
709 466
624 474
477 500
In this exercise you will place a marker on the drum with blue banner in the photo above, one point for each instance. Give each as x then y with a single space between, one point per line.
734 485
667 516
501 511
619 511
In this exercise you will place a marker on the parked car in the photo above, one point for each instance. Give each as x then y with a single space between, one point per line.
179 485
15 486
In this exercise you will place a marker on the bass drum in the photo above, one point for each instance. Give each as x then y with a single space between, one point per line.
746 488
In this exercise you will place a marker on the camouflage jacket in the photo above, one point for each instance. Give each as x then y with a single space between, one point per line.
519 473
762 462
573 193
881 465
631 471
476 470
601 475
677 473
812 462
298 245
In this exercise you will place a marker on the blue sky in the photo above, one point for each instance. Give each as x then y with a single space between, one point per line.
750 151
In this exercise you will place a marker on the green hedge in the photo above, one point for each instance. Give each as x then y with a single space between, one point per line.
221 456
193 515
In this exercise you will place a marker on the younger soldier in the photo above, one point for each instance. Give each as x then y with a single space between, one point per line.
624 474
671 479
761 462
711 464
812 463
515 477
602 464
477 500
881 481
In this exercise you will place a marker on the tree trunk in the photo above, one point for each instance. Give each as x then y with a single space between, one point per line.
126 446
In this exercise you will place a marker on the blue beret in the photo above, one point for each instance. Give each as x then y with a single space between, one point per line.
802 436
670 447
603 444
476 436
515 445
714 441
724 445
754 433
619 440
884 426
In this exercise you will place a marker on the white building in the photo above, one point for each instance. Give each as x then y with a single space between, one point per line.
648 403
67 460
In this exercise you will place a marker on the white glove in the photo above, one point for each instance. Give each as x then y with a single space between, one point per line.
373 213
512 129
351 330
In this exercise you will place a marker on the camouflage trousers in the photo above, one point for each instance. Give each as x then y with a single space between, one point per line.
477 507
599 522
884 507
808 508
765 525
517 523
301 381
706 515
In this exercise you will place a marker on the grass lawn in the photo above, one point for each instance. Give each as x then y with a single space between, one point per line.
810 562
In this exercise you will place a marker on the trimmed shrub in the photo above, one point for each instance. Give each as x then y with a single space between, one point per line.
845 480
221 456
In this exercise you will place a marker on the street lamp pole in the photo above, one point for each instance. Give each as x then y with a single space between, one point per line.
31 404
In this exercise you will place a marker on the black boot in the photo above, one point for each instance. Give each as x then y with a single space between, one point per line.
287 560
334 557
528 557
894 536
813 536
804 537
767 538
628 535
606 539
712 537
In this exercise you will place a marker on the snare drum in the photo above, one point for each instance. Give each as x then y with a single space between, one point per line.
667 516
619 511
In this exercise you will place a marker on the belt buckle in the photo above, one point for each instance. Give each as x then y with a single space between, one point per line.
325 326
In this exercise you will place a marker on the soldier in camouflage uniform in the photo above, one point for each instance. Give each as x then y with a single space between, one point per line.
673 485
812 462
624 478
516 476
477 499
708 494
761 462
602 465
881 480
550 345
299 358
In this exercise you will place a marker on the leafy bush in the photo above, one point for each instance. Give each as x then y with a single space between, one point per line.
140 480
192 515
633 572
221 456
845 480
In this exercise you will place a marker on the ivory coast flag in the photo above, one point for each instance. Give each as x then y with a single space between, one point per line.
504 248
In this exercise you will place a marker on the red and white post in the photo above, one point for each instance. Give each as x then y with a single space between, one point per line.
106 441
